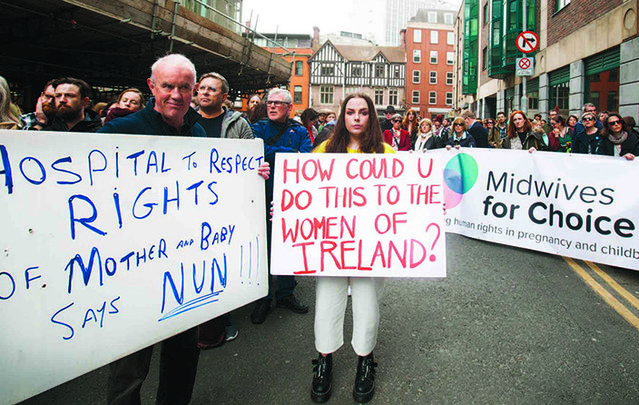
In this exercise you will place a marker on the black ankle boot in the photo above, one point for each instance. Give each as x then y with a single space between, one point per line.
364 379
322 377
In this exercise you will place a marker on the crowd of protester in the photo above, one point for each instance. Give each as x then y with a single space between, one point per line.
204 111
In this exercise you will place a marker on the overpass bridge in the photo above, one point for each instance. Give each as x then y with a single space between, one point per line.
112 44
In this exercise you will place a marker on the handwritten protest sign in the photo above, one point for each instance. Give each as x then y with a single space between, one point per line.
110 243
580 206
358 215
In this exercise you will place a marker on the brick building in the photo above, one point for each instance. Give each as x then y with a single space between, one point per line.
588 52
430 41
296 49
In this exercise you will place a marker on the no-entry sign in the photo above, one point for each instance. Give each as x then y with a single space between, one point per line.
527 42
525 67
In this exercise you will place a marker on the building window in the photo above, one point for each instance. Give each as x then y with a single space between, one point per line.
450 58
297 95
484 58
379 97
449 78
415 96
328 69
559 4
486 19
533 100
433 57
417 36
432 97
299 68
417 75
379 70
392 96
432 79
448 19
434 36
449 98
450 38
396 71
356 70
432 16
417 56
559 95
326 94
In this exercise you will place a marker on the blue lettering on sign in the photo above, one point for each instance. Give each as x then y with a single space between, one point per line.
223 235
153 162
6 169
55 167
43 173
233 164
215 271
86 221
135 156
91 167
110 264
12 283
64 324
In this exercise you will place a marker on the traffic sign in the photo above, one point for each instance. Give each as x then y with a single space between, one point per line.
527 42
525 66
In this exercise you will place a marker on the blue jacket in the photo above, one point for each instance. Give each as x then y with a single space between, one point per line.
294 139
150 122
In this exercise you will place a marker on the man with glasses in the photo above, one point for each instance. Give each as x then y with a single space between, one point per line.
45 109
280 135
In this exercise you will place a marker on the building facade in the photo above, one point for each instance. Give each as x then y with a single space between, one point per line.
588 52
430 52
337 70
296 49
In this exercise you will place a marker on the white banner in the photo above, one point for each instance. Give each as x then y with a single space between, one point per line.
358 215
573 205
110 243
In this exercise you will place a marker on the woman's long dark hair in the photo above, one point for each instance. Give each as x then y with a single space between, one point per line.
372 140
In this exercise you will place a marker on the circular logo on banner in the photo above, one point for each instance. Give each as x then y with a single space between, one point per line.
460 175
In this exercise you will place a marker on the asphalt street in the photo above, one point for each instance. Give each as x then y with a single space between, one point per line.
507 326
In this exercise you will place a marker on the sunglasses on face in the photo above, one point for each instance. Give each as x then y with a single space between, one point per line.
458 124
615 122
397 120
588 119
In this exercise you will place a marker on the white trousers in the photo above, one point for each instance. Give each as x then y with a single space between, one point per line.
330 307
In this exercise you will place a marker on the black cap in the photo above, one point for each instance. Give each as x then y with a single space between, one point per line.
390 110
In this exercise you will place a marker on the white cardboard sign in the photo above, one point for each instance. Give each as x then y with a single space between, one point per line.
110 243
358 215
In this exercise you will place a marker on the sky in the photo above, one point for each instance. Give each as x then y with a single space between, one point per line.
331 16
299 17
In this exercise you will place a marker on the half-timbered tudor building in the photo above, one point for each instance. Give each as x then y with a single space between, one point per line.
337 70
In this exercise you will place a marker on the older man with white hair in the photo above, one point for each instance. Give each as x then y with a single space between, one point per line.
167 113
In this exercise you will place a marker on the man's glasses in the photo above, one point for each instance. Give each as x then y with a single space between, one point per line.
276 103
615 122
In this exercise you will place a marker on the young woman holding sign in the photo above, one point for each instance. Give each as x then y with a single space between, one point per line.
357 131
